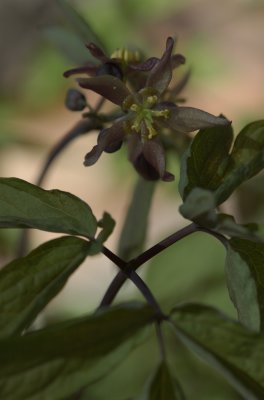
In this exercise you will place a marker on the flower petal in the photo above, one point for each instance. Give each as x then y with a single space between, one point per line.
110 137
189 119
160 76
177 60
148 159
146 65
115 138
155 155
108 86
97 52
138 160
88 68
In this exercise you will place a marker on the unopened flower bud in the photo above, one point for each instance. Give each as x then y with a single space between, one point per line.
75 100
110 69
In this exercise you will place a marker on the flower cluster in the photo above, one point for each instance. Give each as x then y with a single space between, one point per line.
148 111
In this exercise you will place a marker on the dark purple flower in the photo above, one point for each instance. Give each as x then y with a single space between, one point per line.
146 114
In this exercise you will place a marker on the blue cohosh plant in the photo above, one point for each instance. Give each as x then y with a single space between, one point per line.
70 359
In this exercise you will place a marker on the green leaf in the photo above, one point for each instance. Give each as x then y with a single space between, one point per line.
245 161
69 44
207 164
107 223
56 362
133 235
245 279
79 25
202 163
235 351
227 225
164 386
23 205
199 205
29 283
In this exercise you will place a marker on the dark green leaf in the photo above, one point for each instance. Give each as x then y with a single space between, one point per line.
69 44
133 235
107 223
29 283
235 351
245 161
207 164
202 163
56 362
78 24
245 278
23 205
164 386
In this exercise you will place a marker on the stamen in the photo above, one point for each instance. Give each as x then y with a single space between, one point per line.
162 113
135 107
151 131
151 100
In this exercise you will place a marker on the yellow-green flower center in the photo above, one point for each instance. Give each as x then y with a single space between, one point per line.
144 114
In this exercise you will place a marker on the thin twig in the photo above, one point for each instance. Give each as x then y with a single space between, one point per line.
82 127
135 278
164 244
120 278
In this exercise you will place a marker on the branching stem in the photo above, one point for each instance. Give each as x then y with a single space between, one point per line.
120 278
135 263
135 278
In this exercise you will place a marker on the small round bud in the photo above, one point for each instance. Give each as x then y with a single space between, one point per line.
75 100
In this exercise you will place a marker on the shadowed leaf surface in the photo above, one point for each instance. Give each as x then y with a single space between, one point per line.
202 161
23 205
29 283
245 278
56 362
164 386
235 351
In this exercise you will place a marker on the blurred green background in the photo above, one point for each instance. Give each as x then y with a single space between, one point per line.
223 44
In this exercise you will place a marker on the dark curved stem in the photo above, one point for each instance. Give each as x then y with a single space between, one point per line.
82 127
164 244
135 278
120 278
